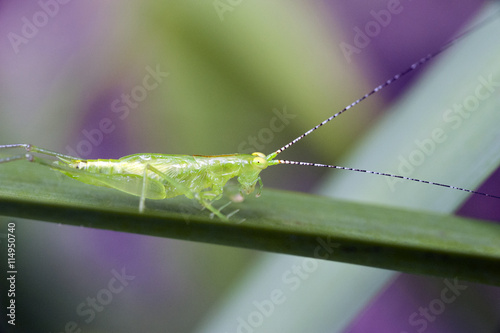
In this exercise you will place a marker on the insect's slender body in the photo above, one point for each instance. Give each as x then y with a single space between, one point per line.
195 173
159 176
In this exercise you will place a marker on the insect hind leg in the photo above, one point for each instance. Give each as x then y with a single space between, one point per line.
33 149
30 158
27 157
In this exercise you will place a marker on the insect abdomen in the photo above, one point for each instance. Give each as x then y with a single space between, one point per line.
105 166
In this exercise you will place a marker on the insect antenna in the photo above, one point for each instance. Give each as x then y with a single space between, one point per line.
270 157
396 77
383 174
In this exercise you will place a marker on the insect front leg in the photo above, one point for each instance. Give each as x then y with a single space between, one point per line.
259 191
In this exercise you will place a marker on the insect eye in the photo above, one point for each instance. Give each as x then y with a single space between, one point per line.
260 162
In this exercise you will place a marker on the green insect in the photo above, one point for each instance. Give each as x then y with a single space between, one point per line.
161 176
158 176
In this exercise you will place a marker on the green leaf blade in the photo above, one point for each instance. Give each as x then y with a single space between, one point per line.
278 221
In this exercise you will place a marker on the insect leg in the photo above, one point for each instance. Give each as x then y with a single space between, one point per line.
227 204
214 210
16 158
142 199
259 191
42 161
34 149
146 179
202 198
28 156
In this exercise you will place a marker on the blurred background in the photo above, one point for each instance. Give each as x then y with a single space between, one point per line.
107 79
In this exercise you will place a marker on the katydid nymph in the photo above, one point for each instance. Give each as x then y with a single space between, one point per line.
161 176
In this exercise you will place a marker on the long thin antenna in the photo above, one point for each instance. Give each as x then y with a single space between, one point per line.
383 174
390 81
